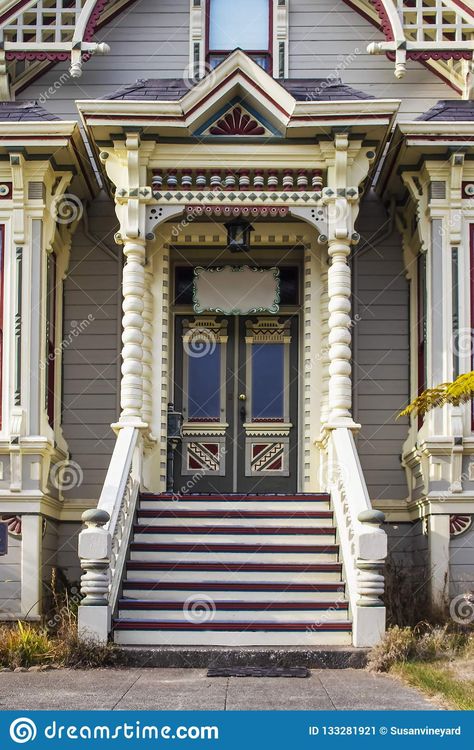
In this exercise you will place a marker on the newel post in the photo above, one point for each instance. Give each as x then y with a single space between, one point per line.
371 551
95 546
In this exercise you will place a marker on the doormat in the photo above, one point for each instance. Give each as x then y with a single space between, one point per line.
258 672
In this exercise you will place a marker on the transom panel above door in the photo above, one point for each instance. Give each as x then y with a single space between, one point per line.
236 383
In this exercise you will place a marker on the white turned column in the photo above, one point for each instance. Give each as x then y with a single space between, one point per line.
133 284
147 409
339 292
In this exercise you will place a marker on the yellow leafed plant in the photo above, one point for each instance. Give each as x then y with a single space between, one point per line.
457 392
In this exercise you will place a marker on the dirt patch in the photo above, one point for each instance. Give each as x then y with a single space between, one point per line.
462 669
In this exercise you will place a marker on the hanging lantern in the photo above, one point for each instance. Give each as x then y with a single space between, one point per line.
238 236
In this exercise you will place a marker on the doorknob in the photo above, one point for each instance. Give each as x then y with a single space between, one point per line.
242 397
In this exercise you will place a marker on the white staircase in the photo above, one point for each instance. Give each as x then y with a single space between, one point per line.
233 571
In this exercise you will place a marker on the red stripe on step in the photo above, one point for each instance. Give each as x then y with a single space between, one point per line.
234 514
298 549
230 586
228 566
237 606
252 530
233 626
323 497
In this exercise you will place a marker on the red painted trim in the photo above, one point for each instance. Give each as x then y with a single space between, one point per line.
2 266
439 137
232 626
296 549
232 498
268 52
191 514
464 7
236 567
5 16
232 606
471 271
231 586
203 530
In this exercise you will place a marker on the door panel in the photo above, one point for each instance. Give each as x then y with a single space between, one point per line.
267 434
236 383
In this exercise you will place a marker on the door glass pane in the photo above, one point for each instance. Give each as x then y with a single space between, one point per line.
204 381
243 24
268 381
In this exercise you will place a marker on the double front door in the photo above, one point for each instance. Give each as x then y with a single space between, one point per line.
236 384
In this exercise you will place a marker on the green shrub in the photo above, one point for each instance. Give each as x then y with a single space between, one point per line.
24 645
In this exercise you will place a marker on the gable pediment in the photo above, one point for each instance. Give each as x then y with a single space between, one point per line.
236 119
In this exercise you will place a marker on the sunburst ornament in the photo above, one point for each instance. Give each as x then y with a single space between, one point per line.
459 523
237 122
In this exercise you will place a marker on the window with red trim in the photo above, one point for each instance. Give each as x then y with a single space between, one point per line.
2 253
246 24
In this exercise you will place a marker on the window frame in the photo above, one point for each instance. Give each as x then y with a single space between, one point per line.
268 53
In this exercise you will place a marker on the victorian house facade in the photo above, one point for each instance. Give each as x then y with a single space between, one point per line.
236 240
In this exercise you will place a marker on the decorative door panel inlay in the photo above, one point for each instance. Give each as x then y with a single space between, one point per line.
266 458
236 290
203 458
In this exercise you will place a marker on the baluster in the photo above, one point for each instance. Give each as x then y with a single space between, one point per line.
370 579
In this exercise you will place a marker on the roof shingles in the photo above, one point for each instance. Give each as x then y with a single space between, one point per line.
450 110
24 112
302 89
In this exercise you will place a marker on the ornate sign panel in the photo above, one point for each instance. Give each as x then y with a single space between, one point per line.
236 290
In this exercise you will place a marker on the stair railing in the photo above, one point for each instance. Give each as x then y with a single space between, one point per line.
103 544
362 542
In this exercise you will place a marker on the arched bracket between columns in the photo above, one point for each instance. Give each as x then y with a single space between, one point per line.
156 215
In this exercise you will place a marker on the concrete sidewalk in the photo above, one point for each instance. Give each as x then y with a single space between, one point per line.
190 689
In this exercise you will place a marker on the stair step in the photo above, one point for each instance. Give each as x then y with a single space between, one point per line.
231 567
232 553
225 531
306 498
162 632
218 516
236 605
196 606
230 590
227 506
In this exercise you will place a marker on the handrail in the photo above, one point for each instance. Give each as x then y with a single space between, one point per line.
103 545
363 543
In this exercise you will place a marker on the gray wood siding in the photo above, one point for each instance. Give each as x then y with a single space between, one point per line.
91 363
380 353
329 39
461 564
148 40
151 40
67 557
10 579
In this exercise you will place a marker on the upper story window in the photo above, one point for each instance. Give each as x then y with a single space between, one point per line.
246 24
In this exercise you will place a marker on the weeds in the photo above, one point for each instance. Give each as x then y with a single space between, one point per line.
424 643
55 642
